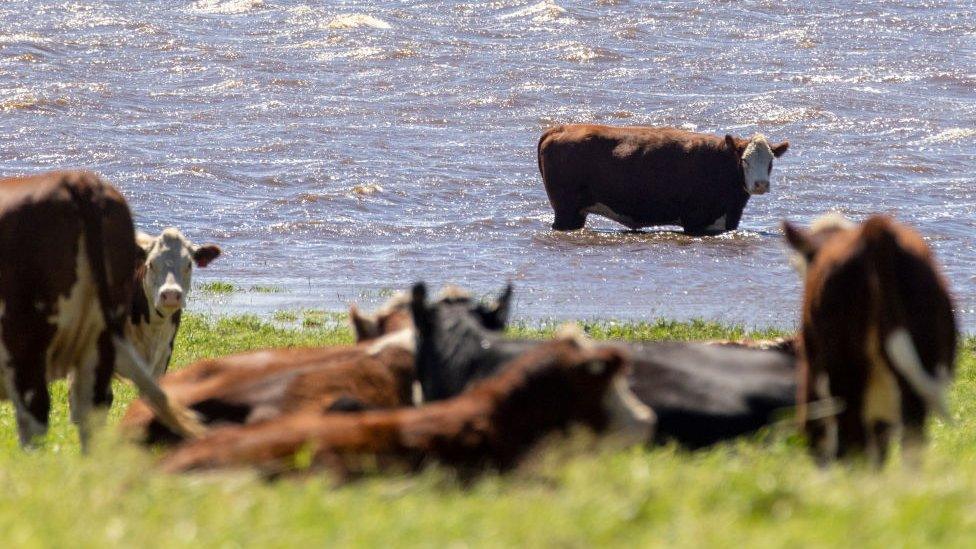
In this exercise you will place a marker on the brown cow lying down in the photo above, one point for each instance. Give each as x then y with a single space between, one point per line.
643 176
67 257
877 333
552 387
248 387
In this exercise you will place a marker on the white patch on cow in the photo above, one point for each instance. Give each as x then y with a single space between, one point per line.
451 292
882 398
405 339
905 360
629 417
602 209
77 320
829 445
417 393
719 225
73 352
152 341
756 161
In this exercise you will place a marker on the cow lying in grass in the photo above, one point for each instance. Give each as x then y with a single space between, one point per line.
552 387
258 385
162 286
877 333
67 255
701 393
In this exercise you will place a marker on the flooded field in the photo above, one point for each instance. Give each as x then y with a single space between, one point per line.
340 150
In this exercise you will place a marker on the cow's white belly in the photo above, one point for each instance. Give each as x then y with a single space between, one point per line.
719 225
602 209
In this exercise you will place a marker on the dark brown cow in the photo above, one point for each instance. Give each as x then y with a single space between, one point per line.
552 387
644 176
878 334
67 256
258 385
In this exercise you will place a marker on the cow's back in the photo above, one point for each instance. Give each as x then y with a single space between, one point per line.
48 293
703 394
640 176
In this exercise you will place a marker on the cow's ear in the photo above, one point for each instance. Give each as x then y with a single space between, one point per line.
203 255
495 317
418 307
145 241
142 254
364 327
778 150
734 145
799 239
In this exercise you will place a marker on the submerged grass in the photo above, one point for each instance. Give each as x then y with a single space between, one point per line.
761 492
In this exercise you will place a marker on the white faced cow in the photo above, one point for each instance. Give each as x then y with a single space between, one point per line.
643 176
162 286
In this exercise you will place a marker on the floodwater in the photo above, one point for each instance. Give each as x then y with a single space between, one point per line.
340 149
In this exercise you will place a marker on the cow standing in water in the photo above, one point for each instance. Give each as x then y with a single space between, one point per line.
162 286
67 257
878 333
644 176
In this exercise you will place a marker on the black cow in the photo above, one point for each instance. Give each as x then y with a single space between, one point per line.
701 393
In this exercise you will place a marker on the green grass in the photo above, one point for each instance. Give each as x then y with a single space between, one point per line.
758 492
264 289
217 287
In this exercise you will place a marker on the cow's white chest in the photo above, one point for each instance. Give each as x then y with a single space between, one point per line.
152 341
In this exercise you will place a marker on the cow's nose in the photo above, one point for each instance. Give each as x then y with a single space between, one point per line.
762 186
170 298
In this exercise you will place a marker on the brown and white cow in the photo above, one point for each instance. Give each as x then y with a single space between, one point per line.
877 333
162 287
255 386
550 388
67 256
648 176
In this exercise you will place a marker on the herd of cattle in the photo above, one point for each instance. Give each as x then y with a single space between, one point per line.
84 296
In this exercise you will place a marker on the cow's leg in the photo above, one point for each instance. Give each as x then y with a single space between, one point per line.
913 443
568 219
823 431
105 369
879 435
567 201
81 395
26 379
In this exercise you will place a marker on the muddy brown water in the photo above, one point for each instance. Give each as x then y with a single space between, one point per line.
337 150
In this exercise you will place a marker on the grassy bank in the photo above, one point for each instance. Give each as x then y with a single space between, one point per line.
760 492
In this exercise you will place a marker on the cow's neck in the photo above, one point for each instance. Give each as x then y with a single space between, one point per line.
152 331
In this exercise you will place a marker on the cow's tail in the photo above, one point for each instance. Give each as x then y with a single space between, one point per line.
538 148
87 197
881 246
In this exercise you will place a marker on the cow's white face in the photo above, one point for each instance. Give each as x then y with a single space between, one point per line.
169 266
757 163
